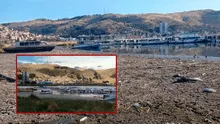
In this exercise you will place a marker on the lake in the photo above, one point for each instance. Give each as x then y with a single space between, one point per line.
208 51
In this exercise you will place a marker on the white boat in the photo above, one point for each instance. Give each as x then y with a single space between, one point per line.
86 46
151 41
105 43
118 42
185 39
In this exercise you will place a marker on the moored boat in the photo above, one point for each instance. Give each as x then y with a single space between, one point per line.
86 46
29 46
46 91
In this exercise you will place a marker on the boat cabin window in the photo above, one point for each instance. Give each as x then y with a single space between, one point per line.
30 43
106 96
154 39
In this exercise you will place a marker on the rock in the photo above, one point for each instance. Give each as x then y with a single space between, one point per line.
3 112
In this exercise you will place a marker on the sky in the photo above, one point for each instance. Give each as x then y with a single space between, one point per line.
23 10
89 62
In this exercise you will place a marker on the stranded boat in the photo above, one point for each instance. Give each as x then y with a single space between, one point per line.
29 46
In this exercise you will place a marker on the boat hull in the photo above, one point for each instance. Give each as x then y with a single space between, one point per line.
87 47
189 42
28 49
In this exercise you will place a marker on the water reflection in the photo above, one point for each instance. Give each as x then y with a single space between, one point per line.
209 49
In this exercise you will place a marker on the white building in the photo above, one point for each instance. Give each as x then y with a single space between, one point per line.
163 28
25 76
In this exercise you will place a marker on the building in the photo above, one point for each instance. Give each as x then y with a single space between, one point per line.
25 77
163 28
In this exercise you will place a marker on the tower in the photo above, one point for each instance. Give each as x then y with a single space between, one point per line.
25 76
163 28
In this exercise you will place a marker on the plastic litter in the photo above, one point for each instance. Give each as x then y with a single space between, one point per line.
7 78
195 79
209 90
83 119
137 105
207 120
182 79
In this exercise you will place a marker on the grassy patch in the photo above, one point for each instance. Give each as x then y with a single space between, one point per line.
35 104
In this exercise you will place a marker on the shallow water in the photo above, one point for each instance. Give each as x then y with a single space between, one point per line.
199 51
209 49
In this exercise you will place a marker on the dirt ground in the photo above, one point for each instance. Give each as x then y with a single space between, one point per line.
147 81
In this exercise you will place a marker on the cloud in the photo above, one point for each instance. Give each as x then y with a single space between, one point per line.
95 62
26 62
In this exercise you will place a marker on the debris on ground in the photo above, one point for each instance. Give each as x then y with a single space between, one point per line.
195 79
208 121
183 79
177 75
142 107
83 119
209 90
2 77
183 103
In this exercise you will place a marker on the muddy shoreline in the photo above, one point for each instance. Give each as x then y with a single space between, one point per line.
147 81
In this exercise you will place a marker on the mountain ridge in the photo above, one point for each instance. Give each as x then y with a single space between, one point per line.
99 24
62 74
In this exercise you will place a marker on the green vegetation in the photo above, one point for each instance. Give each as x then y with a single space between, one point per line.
113 76
20 76
32 75
35 104
97 76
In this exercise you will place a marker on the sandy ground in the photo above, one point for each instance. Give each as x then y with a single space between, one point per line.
147 81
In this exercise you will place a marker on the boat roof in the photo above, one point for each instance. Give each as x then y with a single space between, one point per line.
28 41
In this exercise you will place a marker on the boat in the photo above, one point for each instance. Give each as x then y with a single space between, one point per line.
143 41
105 43
29 46
46 91
86 46
118 42
151 41
186 39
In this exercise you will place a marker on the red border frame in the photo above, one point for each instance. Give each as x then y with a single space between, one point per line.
116 109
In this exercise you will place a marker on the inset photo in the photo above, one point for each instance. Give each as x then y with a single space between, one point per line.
67 83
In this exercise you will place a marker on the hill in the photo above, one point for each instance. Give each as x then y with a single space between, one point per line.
193 21
62 74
